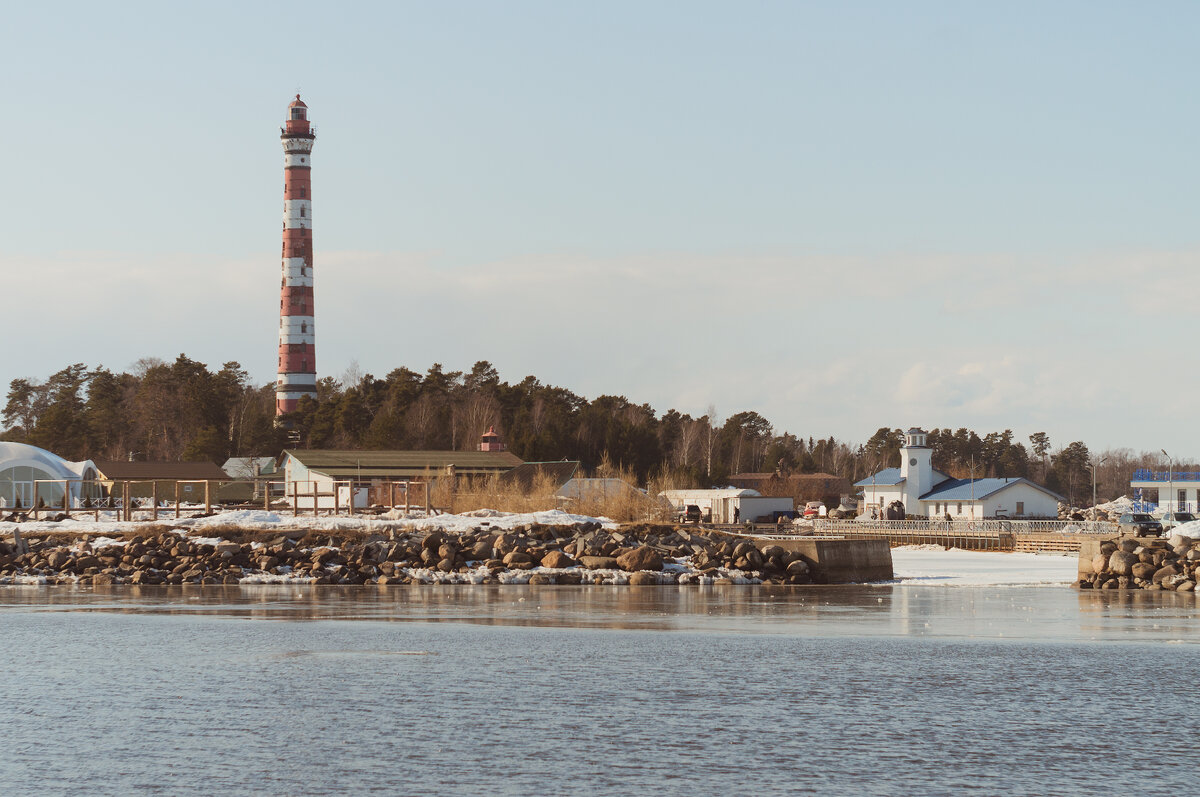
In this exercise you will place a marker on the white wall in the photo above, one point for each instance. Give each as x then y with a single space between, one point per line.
752 508
1168 494
1036 503
881 495
969 510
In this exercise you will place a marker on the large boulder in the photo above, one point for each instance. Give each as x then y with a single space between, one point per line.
1143 570
557 559
599 562
798 567
1164 572
505 543
643 578
482 549
642 558
1121 562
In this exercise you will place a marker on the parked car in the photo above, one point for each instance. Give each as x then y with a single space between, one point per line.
1172 519
690 514
1139 524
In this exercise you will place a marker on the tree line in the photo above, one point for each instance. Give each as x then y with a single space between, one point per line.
182 410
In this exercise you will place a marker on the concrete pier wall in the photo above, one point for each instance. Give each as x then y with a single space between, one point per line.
841 561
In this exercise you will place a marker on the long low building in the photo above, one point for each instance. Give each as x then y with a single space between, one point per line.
731 505
317 470
163 478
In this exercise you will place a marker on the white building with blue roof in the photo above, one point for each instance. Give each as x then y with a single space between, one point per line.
927 492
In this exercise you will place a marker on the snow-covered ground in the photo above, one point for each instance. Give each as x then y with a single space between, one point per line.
263 520
930 565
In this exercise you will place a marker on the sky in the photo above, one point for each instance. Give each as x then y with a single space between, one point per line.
839 215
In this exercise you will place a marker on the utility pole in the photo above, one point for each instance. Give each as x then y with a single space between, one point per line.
1170 481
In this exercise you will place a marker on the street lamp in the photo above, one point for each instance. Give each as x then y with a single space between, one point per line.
972 468
1170 478
1094 464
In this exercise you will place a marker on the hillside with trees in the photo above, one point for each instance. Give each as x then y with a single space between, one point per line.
182 410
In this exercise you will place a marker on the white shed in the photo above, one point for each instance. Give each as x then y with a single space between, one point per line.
730 505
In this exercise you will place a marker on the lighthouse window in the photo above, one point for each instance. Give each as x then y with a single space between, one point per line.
301 212
303 193
303 327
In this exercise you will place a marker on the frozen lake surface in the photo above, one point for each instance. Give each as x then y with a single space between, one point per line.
907 688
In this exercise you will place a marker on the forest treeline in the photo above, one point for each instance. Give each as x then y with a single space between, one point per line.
182 410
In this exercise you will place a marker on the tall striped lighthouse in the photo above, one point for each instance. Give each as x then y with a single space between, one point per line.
297 341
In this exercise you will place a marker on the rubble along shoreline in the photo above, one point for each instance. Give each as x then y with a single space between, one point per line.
531 554
1171 564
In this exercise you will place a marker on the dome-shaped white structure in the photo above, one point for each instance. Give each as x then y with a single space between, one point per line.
25 469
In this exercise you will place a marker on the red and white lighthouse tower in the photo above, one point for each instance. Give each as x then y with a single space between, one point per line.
297 341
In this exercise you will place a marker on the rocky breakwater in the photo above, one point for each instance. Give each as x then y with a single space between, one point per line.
638 555
1149 564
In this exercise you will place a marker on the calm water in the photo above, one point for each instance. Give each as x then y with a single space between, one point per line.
664 691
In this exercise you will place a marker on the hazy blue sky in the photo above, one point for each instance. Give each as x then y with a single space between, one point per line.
841 215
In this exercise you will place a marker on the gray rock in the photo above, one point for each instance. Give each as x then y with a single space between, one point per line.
643 558
557 559
1121 562
1143 570
599 562
1164 572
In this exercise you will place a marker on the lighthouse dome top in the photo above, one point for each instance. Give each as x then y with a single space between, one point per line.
297 103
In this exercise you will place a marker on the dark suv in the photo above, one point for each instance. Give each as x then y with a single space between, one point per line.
1140 525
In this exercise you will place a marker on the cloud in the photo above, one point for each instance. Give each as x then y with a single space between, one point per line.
818 345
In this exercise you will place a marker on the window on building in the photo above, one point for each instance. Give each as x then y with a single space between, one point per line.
1181 498
959 510
303 327
1020 507
303 193
301 212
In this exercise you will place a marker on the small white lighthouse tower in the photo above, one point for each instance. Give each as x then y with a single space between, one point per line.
916 468
297 339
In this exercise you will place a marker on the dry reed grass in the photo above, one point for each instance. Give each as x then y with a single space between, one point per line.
617 498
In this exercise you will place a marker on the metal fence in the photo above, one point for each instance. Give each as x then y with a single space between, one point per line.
977 535
148 499
965 527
